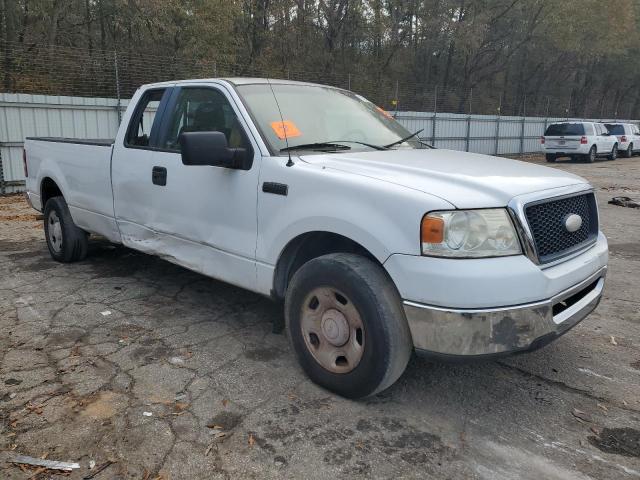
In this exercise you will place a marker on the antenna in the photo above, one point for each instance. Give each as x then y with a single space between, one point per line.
284 130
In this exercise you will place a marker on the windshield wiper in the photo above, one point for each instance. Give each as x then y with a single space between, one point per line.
316 146
370 145
428 145
402 140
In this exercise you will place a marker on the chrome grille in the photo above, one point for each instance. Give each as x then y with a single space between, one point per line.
547 224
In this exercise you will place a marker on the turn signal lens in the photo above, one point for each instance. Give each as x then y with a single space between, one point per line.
432 230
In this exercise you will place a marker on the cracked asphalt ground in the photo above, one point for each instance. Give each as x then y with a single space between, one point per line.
87 348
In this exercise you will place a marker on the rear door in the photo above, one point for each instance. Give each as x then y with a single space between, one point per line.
131 170
564 136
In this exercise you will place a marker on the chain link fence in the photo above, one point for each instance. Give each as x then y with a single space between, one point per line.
56 70
483 121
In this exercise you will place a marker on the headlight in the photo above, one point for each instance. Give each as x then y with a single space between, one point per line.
469 233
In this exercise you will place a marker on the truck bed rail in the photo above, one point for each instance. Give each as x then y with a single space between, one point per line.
101 142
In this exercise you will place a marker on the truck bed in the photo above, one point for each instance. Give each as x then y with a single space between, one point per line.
81 169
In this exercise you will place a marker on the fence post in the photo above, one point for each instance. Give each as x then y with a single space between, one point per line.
498 126
2 184
115 63
467 140
435 115
349 83
524 117
396 99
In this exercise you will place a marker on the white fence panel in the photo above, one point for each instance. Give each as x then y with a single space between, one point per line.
25 115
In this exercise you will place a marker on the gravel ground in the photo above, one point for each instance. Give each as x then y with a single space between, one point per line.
126 358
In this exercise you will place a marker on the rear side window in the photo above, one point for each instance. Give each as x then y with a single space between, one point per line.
615 129
588 128
564 129
143 119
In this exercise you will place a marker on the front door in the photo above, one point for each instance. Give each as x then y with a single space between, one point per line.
202 217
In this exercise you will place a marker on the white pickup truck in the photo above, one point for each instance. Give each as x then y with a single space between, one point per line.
377 243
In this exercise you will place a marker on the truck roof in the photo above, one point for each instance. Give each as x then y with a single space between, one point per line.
238 81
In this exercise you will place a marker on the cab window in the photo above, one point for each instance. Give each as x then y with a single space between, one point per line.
143 120
202 110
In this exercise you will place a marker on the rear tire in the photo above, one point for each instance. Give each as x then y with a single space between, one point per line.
346 324
591 156
614 152
66 242
550 158
628 153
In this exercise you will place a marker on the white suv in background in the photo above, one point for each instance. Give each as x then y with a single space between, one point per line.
628 136
586 140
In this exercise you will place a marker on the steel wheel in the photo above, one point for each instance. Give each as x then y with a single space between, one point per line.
333 330
55 232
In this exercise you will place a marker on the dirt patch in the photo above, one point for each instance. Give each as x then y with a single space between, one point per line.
102 407
8 245
12 198
628 250
21 217
225 420
263 354
622 441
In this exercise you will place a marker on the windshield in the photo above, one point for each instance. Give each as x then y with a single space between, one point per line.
562 129
336 119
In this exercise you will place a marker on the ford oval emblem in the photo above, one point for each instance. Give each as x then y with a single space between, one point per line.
572 222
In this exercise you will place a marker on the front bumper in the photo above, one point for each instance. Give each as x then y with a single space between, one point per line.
495 331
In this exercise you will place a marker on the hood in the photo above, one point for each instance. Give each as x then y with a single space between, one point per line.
466 180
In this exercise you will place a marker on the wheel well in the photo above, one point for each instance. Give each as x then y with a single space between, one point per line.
48 189
306 247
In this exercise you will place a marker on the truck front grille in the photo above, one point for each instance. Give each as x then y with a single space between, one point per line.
547 219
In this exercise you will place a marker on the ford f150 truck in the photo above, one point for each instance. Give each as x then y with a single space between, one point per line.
376 243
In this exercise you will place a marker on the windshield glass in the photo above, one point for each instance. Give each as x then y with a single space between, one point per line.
320 115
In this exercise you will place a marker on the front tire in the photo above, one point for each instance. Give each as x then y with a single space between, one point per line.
614 152
346 324
66 242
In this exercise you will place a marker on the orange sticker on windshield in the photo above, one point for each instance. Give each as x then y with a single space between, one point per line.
384 112
285 129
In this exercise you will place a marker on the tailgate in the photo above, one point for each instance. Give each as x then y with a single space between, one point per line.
563 143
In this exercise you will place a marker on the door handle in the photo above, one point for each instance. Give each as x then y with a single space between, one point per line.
159 176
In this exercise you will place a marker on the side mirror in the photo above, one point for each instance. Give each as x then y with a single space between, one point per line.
211 148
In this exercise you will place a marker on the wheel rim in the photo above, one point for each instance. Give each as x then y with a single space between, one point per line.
54 231
332 329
